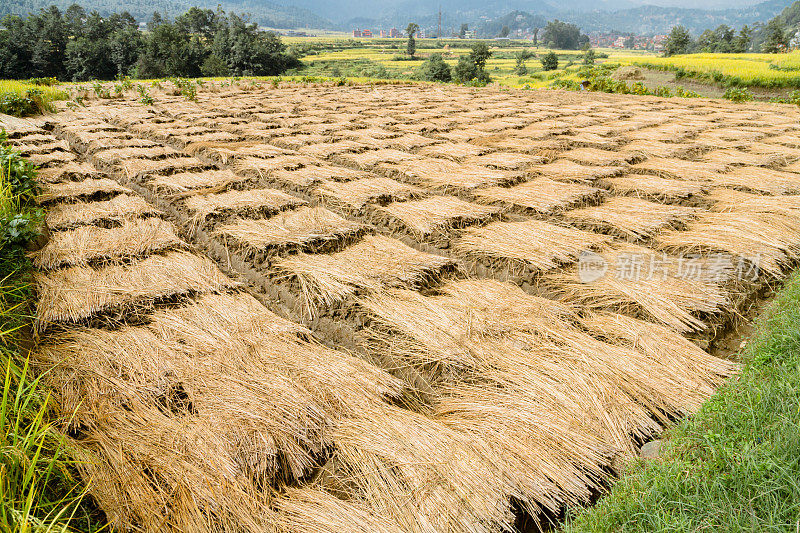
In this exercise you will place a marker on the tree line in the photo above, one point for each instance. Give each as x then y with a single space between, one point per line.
79 46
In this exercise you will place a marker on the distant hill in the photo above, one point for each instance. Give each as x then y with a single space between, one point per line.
485 16
655 20
265 13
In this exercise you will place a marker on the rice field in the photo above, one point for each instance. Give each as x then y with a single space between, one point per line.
746 70
392 308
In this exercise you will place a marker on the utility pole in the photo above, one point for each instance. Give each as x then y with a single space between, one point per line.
439 27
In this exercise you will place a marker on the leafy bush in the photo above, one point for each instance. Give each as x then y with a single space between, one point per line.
435 69
31 102
738 94
663 92
550 61
44 82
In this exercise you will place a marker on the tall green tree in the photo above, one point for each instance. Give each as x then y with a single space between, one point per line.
411 45
563 36
678 41
776 37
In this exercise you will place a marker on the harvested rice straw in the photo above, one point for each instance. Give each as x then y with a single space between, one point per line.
739 157
410 141
641 148
661 344
295 142
367 160
263 168
630 218
155 472
80 189
453 151
41 147
787 139
374 263
300 228
767 242
760 179
596 156
123 140
329 149
433 217
310 175
184 184
252 202
681 169
312 509
122 207
561 169
445 175
69 171
113 156
541 195
727 200
421 474
494 331
85 244
505 160
664 132
655 187
50 159
358 193
132 168
589 139
661 294
788 153
76 293
532 243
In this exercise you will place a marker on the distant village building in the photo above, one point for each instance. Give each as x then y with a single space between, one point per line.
362 33
394 33
469 34
356 33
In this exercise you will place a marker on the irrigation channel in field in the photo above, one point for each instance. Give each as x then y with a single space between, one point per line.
395 308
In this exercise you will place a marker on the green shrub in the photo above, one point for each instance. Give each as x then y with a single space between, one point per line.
44 82
738 94
435 69
684 93
550 61
663 92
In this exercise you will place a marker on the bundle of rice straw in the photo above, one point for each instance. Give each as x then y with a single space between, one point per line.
77 293
445 175
652 148
655 187
642 282
739 157
296 229
358 193
561 169
68 171
631 218
81 189
727 200
541 195
432 217
532 243
181 183
767 241
367 160
118 208
596 156
760 179
453 151
681 169
252 202
374 263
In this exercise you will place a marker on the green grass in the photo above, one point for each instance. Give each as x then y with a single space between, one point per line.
735 465
39 486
